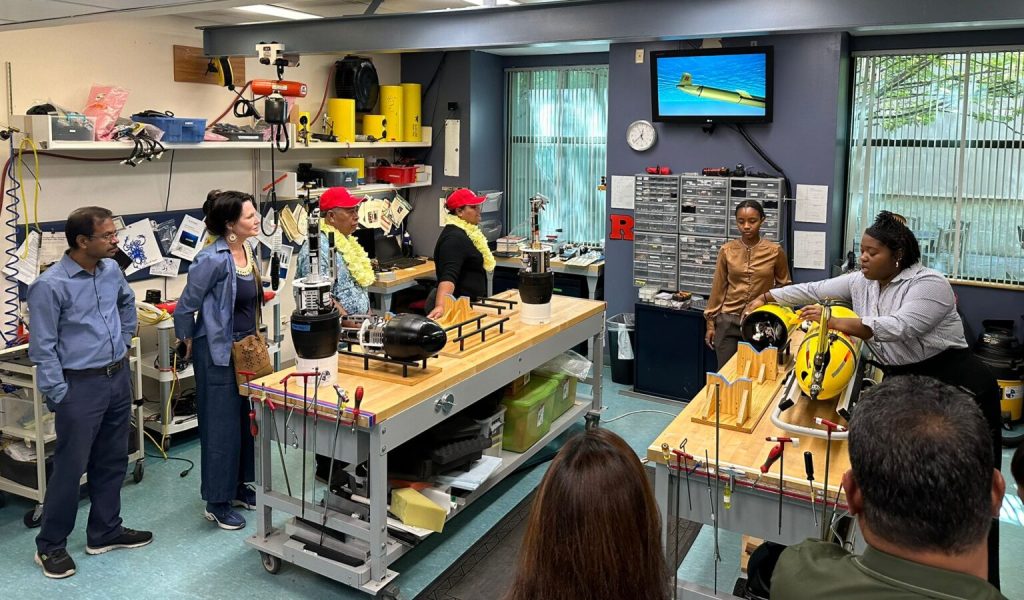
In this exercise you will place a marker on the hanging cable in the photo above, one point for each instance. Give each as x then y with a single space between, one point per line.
11 312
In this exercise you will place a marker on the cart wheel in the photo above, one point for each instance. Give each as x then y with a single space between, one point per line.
391 592
138 472
166 444
270 562
34 517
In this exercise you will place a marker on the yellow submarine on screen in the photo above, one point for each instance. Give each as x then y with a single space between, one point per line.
701 91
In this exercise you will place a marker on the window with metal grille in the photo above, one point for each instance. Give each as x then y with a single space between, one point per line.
557 135
936 136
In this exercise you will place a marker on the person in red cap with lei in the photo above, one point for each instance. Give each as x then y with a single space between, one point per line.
339 212
461 256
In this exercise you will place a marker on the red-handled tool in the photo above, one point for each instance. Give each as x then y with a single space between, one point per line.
773 455
829 424
254 429
782 441
355 411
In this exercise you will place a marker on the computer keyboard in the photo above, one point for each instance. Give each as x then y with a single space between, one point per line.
401 263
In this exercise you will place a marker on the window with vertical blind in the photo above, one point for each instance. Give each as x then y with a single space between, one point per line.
937 137
557 134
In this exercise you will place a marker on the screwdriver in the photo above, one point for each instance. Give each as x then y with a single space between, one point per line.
809 466
773 455
355 412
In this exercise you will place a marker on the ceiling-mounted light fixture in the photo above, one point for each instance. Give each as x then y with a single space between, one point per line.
500 2
276 11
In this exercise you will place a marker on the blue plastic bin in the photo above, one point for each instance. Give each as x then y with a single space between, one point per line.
177 129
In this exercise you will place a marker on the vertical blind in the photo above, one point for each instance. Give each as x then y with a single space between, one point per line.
557 134
937 138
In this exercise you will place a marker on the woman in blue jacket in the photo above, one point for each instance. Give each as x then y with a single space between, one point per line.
219 306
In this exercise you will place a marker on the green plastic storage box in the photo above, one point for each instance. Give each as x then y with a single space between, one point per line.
565 395
528 414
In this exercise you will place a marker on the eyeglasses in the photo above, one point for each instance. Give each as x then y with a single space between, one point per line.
106 237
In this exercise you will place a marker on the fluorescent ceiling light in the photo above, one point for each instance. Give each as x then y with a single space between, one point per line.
276 11
500 2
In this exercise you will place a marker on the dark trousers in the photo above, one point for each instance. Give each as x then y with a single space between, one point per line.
92 438
727 337
959 367
227 458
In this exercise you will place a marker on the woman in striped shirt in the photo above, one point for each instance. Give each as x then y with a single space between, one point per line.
908 318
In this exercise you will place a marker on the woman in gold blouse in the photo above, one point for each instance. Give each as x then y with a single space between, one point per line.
747 267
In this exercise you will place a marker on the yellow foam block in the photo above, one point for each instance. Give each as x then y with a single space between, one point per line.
415 509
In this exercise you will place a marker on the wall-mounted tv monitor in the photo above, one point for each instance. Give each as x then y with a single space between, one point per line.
720 85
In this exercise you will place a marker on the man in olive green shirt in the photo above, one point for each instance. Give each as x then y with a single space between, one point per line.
924 490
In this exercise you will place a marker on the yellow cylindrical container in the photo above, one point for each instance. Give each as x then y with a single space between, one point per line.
342 113
840 359
769 325
1013 398
391 106
355 162
412 94
376 126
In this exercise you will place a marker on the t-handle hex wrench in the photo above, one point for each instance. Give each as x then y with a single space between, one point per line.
782 441
829 428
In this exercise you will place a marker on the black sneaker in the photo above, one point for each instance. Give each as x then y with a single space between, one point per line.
56 564
129 538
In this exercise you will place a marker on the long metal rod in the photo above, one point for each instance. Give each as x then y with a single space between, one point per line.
305 420
718 480
824 485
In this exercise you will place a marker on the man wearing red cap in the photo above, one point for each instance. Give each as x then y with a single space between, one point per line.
339 214
461 256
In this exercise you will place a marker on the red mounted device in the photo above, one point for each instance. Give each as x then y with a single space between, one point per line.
659 170
265 87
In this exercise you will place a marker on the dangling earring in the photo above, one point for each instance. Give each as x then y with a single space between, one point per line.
232 238
897 262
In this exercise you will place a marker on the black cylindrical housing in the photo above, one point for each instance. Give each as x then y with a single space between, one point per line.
413 337
536 288
315 336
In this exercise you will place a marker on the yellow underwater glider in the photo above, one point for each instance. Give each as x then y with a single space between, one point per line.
738 97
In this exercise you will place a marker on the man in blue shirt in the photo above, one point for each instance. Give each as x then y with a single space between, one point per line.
82 314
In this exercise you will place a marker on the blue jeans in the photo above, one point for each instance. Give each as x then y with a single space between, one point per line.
227 458
92 438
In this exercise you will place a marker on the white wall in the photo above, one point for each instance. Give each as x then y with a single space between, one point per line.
60 64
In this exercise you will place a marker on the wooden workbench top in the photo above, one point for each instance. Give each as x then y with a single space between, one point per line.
384 398
747 451
405 275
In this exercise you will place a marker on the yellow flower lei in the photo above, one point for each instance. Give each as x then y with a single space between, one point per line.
356 258
476 236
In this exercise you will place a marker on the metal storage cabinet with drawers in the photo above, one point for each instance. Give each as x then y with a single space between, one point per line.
769 192
682 221
656 226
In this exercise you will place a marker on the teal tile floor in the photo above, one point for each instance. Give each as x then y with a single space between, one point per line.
191 558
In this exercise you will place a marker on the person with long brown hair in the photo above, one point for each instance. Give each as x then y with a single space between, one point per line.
594 528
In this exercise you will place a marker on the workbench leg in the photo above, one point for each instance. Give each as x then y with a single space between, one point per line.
597 357
264 472
385 302
661 493
490 283
592 286
378 476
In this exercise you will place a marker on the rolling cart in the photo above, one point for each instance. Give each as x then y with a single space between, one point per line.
17 370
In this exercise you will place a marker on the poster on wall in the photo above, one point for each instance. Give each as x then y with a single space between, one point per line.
138 241
189 239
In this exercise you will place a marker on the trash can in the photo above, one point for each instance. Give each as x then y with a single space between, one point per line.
622 346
